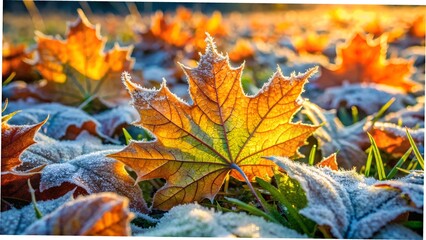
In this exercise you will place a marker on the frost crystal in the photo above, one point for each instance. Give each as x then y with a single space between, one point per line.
15 221
193 220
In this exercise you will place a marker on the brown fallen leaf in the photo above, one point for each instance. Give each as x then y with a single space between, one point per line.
363 60
103 214
348 141
77 69
223 132
330 161
14 140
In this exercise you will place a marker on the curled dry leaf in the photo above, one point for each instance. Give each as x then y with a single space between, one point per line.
223 132
15 221
350 205
393 139
77 69
103 214
193 220
363 60
81 163
333 136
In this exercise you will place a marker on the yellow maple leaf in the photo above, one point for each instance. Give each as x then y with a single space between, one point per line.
363 60
223 132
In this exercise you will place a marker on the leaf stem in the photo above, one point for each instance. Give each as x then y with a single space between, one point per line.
236 167
33 199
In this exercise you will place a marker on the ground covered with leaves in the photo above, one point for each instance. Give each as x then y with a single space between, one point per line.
305 122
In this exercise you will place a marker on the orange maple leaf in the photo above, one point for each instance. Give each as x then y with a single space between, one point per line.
392 139
223 132
330 161
363 59
77 68
170 31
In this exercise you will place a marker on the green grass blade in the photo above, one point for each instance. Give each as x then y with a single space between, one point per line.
378 158
9 79
416 150
403 170
401 161
280 197
355 114
312 155
127 136
368 163
251 209
414 224
382 110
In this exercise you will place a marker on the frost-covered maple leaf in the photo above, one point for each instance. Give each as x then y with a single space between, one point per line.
350 205
223 132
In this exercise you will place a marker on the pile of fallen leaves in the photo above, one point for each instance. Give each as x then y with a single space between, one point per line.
95 143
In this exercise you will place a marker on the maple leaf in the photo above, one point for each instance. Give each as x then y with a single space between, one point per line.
393 139
334 137
102 214
363 60
16 139
223 132
349 204
77 69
